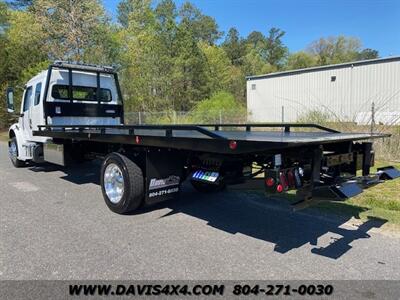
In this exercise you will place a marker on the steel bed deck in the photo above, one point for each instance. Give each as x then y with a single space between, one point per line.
202 138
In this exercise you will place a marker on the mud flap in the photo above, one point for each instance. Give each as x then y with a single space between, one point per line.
388 173
164 173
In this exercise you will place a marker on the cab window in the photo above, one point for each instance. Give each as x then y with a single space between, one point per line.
38 91
28 98
80 93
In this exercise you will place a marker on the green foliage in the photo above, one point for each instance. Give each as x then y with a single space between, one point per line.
24 46
254 64
72 27
3 17
256 40
333 50
234 47
368 54
204 28
219 68
211 110
276 51
300 60
125 7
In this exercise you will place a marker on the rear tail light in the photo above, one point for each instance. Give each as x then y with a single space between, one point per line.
270 182
232 145
283 181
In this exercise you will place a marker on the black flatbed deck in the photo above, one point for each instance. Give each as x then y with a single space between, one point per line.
248 137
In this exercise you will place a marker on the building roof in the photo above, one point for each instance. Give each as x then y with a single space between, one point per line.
327 67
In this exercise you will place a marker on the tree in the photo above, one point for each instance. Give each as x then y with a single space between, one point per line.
300 60
190 74
219 68
204 28
21 49
3 19
164 57
24 45
255 40
125 7
254 64
69 26
140 57
105 46
276 51
234 47
166 33
334 50
166 14
3 59
368 54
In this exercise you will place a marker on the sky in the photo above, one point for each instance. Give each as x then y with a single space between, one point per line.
375 22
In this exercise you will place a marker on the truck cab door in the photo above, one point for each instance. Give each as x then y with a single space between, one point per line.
36 109
25 118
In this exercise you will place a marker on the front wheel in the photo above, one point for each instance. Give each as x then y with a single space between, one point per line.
122 183
13 153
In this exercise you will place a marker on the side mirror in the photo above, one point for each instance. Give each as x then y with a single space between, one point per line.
10 100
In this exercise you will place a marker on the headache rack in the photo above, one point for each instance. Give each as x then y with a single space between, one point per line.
83 67
70 66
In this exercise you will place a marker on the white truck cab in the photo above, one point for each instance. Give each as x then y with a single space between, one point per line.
65 94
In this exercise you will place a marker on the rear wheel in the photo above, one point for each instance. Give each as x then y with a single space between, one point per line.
208 188
13 153
122 183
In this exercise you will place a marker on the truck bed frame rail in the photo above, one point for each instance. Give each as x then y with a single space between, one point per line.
201 128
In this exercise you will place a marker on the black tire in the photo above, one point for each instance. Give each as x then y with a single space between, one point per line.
14 158
203 187
133 193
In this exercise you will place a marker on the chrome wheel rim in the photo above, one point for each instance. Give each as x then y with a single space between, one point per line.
113 183
12 150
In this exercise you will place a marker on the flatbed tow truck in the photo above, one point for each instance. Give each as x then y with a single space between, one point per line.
74 112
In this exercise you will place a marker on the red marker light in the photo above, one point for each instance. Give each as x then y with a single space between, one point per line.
138 139
283 180
279 188
232 145
270 182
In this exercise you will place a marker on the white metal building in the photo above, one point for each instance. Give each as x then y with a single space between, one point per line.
345 92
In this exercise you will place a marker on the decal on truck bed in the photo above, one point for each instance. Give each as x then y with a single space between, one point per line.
163 192
156 184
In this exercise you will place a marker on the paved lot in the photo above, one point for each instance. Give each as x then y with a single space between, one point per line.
54 225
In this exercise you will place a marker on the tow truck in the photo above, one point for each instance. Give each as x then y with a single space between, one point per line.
73 112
